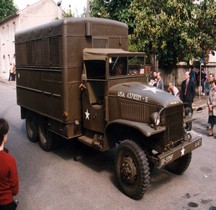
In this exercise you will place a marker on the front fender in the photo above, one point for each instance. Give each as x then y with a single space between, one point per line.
144 128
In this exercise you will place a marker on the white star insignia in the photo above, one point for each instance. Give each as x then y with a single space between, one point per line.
152 89
87 114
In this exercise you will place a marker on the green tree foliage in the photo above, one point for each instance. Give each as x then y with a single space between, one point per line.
165 28
113 9
6 8
68 13
174 30
206 27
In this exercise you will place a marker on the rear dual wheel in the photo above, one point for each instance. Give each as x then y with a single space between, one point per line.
32 128
46 138
132 169
38 131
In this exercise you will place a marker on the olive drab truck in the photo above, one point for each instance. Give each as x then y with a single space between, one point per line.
76 79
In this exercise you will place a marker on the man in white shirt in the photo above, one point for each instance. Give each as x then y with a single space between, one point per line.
173 89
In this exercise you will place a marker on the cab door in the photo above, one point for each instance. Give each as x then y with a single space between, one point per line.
93 105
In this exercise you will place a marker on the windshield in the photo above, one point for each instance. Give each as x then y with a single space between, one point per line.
122 65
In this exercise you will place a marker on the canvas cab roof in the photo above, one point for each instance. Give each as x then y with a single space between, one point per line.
103 53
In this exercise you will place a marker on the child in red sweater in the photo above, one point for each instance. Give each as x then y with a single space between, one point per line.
9 183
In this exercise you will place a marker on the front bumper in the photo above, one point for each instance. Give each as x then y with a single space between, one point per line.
179 151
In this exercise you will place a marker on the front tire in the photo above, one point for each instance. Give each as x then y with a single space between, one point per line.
46 138
132 169
180 165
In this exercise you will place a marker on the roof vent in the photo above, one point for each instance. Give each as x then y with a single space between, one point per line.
88 29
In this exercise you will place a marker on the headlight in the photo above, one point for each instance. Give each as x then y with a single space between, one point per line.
155 119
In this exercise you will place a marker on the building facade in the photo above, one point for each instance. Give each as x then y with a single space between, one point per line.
42 12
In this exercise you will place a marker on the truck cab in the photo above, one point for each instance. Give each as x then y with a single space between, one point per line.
103 70
147 123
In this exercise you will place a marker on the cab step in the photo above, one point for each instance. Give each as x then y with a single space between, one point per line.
95 142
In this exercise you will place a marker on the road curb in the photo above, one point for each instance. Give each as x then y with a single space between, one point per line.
200 107
13 83
200 103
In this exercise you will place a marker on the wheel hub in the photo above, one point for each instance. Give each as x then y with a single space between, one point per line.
128 170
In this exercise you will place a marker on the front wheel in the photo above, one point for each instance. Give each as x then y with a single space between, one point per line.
132 169
46 138
180 165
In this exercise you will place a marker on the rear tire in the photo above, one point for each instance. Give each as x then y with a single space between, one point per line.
32 129
46 138
180 165
132 169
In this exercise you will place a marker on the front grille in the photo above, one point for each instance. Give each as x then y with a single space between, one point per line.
173 117
136 111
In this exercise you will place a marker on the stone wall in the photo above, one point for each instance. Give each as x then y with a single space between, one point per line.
177 76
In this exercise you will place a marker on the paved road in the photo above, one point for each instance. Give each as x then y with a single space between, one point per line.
54 181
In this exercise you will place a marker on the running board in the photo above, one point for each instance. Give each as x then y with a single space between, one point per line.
96 142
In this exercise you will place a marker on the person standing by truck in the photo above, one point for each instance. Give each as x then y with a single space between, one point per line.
160 83
173 90
9 182
187 89
11 69
187 93
193 74
212 109
203 81
210 80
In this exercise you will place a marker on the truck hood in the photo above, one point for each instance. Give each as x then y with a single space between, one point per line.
137 91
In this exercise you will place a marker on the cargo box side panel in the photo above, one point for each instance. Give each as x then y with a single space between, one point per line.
40 91
117 34
73 53
95 27
118 41
99 33
74 101
39 70
74 41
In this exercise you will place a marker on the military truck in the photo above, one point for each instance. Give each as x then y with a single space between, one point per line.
76 79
